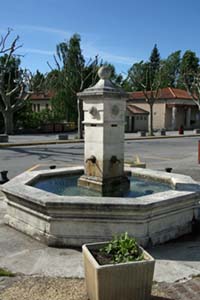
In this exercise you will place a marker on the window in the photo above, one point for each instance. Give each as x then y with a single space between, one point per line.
38 107
47 106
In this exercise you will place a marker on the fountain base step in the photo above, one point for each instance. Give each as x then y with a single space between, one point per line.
108 186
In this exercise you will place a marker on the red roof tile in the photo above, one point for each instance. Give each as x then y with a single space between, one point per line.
165 93
42 96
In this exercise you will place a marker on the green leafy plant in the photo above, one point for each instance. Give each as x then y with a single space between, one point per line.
122 249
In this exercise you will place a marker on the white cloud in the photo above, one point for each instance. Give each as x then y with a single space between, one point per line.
44 29
91 51
117 58
38 51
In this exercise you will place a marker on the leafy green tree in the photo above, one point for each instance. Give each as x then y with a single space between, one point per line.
171 70
188 68
66 79
189 62
72 76
138 75
38 82
117 79
28 119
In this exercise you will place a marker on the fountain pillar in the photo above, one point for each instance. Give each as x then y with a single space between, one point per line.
104 108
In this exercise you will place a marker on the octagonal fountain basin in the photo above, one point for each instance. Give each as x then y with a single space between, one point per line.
68 186
74 219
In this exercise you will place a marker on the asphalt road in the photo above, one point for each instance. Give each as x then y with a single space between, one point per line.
180 154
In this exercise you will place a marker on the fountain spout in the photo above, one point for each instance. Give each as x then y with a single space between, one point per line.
114 159
104 108
92 158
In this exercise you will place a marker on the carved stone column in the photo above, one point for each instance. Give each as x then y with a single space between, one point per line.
174 115
104 107
188 117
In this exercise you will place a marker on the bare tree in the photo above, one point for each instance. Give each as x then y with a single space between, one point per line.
192 83
13 81
141 76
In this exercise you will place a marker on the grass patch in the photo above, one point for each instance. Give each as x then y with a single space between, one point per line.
7 273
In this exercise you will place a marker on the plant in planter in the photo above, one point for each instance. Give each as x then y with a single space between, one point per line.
118 270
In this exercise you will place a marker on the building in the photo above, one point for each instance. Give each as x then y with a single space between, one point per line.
136 119
40 101
172 109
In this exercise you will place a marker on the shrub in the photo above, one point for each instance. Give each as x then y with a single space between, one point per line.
122 249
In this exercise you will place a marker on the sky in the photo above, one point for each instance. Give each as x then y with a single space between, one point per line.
120 32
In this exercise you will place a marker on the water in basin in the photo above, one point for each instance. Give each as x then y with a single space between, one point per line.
67 185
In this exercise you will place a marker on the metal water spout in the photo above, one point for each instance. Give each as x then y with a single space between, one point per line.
92 158
114 159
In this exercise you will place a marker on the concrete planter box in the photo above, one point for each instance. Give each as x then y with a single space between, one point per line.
127 281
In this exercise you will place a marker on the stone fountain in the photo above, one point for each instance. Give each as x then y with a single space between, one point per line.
66 220
104 109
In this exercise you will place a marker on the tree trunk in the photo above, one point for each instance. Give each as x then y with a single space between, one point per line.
8 122
151 120
199 118
80 118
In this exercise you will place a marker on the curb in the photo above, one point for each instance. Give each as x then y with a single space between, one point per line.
7 145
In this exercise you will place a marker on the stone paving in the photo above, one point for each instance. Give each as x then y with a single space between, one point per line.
187 255
56 264
179 290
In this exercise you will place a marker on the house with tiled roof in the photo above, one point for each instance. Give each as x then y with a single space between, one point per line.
173 108
40 101
136 118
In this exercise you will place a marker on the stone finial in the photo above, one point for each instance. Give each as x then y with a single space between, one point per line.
104 72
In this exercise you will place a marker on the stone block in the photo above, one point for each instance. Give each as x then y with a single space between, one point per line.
63 136
3 138
142 133
162 131
196 131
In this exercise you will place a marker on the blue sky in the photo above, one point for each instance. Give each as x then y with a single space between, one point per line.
120 32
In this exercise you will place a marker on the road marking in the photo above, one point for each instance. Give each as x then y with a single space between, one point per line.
33 168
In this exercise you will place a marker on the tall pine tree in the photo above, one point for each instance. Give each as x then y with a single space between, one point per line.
154 62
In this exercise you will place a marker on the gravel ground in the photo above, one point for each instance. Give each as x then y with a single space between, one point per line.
43 288
48 288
